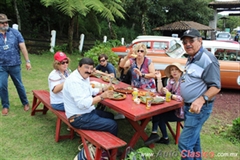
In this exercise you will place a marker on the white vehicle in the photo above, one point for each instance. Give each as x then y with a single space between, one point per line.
156 45
223 36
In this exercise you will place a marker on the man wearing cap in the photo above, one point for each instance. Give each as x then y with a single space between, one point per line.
57 78
11 42
200 84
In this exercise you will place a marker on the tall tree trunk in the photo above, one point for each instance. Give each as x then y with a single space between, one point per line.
70 35
17 14
112 33
143 24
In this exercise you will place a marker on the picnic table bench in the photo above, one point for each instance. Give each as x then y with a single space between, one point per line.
100 139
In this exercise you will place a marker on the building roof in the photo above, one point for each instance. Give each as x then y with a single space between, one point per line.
183 25
231 5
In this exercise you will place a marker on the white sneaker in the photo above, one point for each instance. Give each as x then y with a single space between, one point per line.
119 116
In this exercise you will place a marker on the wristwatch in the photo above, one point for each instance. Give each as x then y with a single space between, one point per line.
143 75
205 98
27 61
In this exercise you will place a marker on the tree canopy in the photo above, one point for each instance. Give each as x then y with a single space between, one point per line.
113 18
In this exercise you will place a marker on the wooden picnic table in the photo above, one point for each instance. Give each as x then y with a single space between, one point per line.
136 113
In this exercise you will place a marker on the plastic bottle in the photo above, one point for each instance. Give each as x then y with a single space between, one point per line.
168 97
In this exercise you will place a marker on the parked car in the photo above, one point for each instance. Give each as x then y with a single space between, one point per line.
227 53
223 36
156 45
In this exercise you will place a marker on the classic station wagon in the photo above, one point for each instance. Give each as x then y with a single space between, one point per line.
228 55
156 45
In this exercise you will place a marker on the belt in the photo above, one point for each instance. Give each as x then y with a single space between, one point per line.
71 119
189 104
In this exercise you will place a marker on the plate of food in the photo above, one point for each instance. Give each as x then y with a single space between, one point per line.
107 79
144 93
124 90
155 100
118 96
97 75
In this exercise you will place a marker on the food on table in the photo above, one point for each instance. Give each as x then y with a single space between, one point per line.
93 85
111 87
94 74
118 96
107 79
155 100
144 93
124 90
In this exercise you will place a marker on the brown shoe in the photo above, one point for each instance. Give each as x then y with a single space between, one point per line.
4 111
26 107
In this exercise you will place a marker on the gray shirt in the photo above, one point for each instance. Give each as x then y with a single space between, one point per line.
201 73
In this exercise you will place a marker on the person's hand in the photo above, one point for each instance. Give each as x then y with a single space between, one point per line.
28 66
109 86
137 71
158 74
130 53
164 90
197 105
108 94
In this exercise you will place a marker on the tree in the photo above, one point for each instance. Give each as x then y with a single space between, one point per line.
72 8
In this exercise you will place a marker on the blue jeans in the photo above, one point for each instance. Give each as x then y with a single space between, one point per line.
97 120
15 74
161 119
189 141
59 107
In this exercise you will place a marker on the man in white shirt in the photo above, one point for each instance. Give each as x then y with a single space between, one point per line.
79 101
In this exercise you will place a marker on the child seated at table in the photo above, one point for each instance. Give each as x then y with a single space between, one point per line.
174 72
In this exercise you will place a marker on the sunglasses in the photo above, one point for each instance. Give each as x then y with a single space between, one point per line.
142 51
102 60
63 62
190 41
3 22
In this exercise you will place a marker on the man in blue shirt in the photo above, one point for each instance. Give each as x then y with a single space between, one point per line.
200 83
105 67
11 42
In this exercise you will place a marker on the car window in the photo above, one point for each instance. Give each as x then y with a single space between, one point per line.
228 55
223 35
147 44
160 45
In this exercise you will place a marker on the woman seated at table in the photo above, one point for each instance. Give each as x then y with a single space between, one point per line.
125 73
142 68
174 72
57 78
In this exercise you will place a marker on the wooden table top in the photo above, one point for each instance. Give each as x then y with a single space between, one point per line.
133 110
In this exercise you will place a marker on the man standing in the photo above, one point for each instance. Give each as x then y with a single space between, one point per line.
11 42
199 85
79 103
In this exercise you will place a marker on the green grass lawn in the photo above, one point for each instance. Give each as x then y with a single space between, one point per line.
26 137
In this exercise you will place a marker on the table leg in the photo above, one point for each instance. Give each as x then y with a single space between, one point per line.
139 128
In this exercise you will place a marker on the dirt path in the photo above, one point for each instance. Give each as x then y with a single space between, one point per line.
227 106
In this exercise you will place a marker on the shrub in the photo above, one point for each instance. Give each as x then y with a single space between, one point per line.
236 128
103 48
